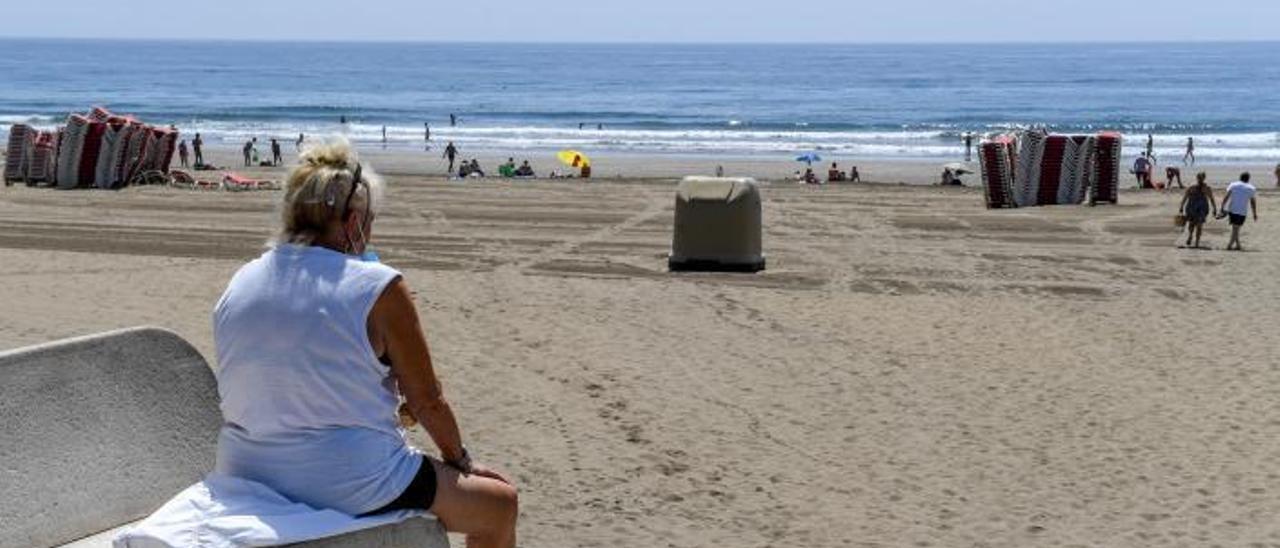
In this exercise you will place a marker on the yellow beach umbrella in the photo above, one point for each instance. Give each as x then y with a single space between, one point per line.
573 158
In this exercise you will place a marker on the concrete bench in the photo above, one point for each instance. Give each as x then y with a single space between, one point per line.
97 432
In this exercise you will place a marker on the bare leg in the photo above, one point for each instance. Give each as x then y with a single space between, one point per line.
1199 230
1234 244
483 509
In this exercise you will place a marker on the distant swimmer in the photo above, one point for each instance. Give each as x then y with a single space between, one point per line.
1151 144
342 119
384 136
298 144
968 146
599 127
453 120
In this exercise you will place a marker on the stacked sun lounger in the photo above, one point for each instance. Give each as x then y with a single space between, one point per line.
1049 169
998 159
20 141
1053 169
137 151
1106 177
70 151
41 167
161 144
112 155
98 149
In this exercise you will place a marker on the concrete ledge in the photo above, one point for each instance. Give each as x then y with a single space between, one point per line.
97 432
415 533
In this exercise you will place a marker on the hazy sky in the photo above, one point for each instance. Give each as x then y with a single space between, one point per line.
652 20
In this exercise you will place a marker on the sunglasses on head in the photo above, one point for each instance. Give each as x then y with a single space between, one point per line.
356 181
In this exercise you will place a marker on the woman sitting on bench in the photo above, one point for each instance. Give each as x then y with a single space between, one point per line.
317 341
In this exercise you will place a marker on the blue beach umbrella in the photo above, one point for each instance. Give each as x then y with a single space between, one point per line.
809 158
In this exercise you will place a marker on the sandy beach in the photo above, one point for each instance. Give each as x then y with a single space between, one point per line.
415 162
912 370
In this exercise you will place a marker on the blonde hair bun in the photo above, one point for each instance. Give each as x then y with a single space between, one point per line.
336 153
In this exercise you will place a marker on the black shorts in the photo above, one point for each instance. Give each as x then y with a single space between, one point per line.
1237 220
419 495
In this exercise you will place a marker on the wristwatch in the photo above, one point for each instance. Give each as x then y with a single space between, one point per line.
464 462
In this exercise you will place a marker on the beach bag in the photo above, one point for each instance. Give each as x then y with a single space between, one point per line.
1179 220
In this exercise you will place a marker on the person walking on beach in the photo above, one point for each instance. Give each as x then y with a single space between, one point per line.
1277 175
450 153
1151 143
297 145
182 152
317 344
968 146
276 157
1240 198
197 146
1191 152
1197 202
426 133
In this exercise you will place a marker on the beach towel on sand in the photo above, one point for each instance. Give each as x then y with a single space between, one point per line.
228 512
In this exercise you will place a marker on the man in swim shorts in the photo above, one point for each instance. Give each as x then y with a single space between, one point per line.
1236 204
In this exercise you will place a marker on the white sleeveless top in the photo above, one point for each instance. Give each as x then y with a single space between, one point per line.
307 408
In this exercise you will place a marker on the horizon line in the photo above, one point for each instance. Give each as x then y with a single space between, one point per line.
393 41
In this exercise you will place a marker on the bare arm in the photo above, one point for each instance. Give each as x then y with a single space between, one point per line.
1253 202
1186 196
1209 192
1224 201
394 320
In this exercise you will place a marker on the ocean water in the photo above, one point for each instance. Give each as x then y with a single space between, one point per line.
873 101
